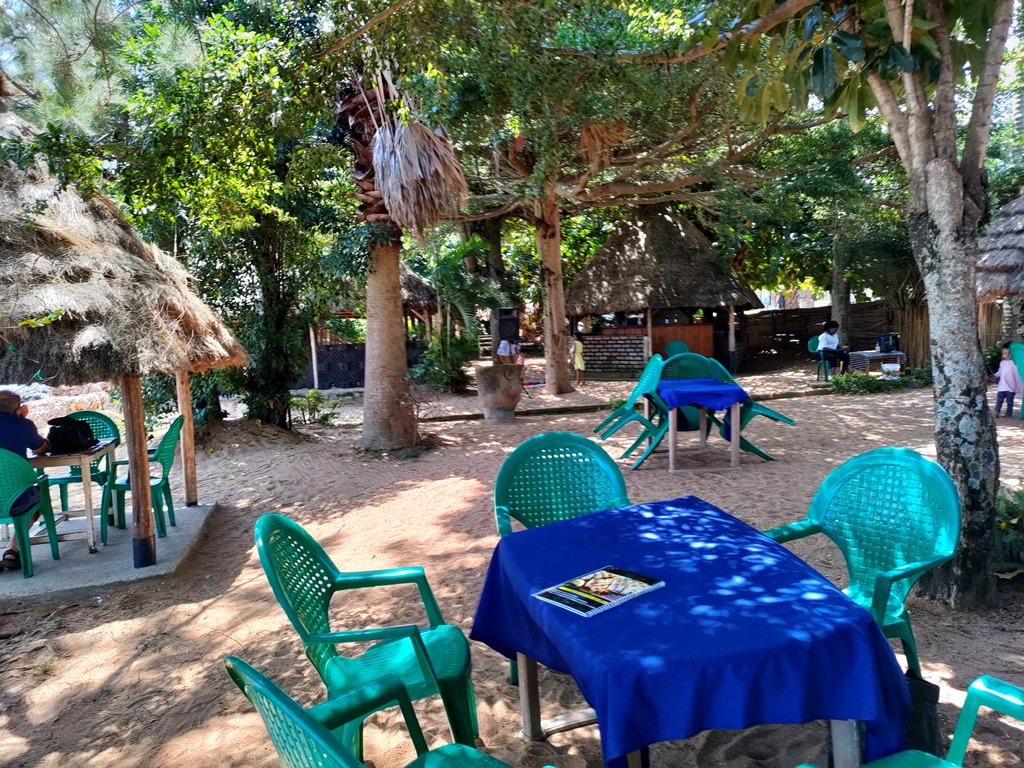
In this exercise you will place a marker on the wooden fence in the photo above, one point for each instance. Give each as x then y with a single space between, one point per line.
791 328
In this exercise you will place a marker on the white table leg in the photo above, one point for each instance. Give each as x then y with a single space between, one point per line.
90 529
673 432
846 747
703 428
734 434
529 698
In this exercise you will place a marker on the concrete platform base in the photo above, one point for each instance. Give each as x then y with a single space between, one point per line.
78 573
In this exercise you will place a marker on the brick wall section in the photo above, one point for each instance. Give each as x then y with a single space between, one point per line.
624 355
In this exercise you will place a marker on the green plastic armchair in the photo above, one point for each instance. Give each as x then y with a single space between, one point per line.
748 410
16 477
986 691
303 738
428 660
823 364
1017 355
652 428
894 515
103 427
556 476
676 347
159 487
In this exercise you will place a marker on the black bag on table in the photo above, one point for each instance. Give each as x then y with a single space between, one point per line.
69 435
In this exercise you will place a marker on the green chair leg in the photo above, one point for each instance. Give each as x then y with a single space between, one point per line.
63 497
170 503
158 513
460 704
901 631
513 673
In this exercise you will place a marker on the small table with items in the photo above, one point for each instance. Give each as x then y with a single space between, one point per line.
84 460
861 361
703 393
743 632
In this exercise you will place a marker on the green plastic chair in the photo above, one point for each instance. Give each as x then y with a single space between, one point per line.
688 365
429 660
16 477
986 691
1017 355
894 515
556 476
676 347
653 428
823 364
748 410
159 487
303 738
103 427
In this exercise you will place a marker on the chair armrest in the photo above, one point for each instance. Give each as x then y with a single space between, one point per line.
885 579
762 410
409 631
392 577
792 531
368 699
986 691
501 514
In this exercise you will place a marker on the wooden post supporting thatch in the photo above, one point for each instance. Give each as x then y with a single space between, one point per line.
650 333
312 353
732 338
143 535
188 438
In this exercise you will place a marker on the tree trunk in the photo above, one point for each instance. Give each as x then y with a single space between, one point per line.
841 289
549 246
946 248
493 268
389 418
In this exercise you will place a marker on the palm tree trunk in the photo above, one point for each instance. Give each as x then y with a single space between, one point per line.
389 418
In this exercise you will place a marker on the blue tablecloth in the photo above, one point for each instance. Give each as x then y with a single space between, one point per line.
716 395
743 633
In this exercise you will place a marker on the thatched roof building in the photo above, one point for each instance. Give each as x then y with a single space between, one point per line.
1000 270
125 308
657 260
416 294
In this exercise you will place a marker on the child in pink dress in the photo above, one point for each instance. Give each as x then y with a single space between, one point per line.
1010 383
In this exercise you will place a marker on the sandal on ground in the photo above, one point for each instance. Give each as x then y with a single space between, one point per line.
11 559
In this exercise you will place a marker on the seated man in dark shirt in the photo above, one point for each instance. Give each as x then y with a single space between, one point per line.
18 435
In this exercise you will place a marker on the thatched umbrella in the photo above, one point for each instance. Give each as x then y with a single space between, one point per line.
84 299
1000 270
658 260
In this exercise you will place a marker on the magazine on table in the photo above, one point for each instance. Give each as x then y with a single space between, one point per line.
599 590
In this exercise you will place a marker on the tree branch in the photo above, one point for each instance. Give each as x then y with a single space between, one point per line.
944 100
894 116
773 18
391 10
6 78
973 161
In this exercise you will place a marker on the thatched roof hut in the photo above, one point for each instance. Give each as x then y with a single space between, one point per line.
416 294
125 307
657 260
1000 270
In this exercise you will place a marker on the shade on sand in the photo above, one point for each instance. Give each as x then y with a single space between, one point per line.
657 260
1000 270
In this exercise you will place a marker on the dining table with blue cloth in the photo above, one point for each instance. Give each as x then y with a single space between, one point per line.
743 632
706 394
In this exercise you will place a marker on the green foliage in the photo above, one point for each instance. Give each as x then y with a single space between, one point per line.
160 397
857 383
444 367
1008 554
348 330
992 356
313 409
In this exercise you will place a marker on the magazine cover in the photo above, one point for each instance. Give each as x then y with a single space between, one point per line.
599 590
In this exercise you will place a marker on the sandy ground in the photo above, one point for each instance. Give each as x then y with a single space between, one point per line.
134 677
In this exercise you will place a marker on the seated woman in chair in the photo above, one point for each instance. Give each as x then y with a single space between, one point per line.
831 351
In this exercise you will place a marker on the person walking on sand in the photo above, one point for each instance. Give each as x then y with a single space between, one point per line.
18 435
1010 383
577 360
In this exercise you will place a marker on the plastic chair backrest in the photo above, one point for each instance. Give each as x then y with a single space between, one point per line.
887 508
302 578
164 455
688 365
300 741
812 346
16 477
676 347
556 476
718 372
648 381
